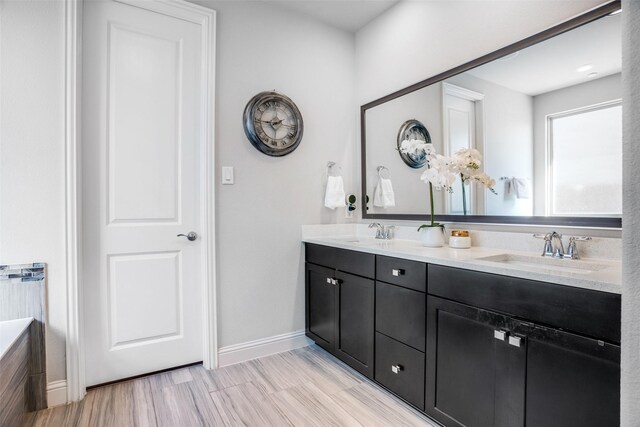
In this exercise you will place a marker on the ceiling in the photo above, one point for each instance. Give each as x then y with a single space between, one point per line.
553 64
348 15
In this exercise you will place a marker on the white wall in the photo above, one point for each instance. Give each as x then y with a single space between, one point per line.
260 257
593 92
383 123
630 387
417 39
32 153
508 142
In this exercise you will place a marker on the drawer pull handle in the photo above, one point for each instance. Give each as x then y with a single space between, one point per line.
515 341
396 369
397 272
500 335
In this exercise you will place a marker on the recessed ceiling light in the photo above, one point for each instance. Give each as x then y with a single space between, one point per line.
592 75
584 68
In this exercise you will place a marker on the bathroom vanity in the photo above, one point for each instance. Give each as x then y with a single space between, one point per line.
466 339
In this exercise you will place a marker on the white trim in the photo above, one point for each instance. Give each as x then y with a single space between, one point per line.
74 387
477 198
57 393
461 92
232 354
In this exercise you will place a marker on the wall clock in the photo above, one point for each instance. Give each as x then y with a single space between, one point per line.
413 129
273 123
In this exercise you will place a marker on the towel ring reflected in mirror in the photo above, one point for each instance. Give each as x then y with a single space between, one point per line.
383 172
413 129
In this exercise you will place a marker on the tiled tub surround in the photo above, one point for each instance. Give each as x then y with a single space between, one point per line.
22 295
602 251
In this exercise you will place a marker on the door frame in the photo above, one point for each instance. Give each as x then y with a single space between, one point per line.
206 18
477 203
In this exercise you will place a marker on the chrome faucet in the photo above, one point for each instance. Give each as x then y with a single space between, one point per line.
554 247
384 232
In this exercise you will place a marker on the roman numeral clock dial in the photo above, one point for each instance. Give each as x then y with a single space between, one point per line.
273 123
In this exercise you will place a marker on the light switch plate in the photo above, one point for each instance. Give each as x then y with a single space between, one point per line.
227 175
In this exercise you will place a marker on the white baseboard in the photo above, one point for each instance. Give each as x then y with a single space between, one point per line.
57 393
232 354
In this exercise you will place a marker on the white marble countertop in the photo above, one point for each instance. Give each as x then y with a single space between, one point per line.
596 274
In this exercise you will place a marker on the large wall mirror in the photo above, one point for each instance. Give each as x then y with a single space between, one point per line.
545 113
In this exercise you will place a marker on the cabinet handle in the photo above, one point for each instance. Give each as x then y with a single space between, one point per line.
515 341
396 369
500 335
397 272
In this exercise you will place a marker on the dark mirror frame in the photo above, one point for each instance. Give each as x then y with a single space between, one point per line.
604 222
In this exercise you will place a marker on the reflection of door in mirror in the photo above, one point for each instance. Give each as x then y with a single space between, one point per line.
462 129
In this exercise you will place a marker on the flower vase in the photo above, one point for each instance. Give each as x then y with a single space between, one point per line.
432 237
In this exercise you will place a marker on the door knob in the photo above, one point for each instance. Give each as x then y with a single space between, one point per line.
191 236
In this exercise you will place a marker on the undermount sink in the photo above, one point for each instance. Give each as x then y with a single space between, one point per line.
347 239
543 263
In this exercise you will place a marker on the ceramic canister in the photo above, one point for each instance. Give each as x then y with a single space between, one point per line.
460 239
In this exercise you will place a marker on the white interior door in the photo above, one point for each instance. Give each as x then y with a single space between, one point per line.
141 178
460 132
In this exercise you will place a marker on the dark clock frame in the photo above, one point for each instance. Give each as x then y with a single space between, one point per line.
254 136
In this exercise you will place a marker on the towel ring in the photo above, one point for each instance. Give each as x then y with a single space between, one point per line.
383 172
333 169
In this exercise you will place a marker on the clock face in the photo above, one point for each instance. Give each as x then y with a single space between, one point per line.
273 123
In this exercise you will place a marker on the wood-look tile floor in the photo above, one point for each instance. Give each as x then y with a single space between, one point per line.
304 387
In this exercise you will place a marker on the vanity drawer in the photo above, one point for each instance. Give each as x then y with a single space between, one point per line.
588 312
401 314
402 272
359 263
400 368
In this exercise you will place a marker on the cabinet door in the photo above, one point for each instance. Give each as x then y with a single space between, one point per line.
320 306
571 380
354 344
473 377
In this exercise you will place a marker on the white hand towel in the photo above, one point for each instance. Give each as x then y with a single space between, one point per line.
384 197
522 187
509 187
335 196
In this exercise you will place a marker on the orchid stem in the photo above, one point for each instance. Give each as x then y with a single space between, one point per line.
464 197
433 222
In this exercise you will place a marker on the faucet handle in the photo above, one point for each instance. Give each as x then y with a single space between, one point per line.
572 250
387 231
548 246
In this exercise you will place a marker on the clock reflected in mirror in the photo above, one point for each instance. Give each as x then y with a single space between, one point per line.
273 123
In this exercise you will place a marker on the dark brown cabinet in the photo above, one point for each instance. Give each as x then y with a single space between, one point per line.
489 368
465 347
340 305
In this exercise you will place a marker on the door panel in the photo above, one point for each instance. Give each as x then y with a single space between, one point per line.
355 329
473 378
141 186
144 90
132 278
571 380
320 296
